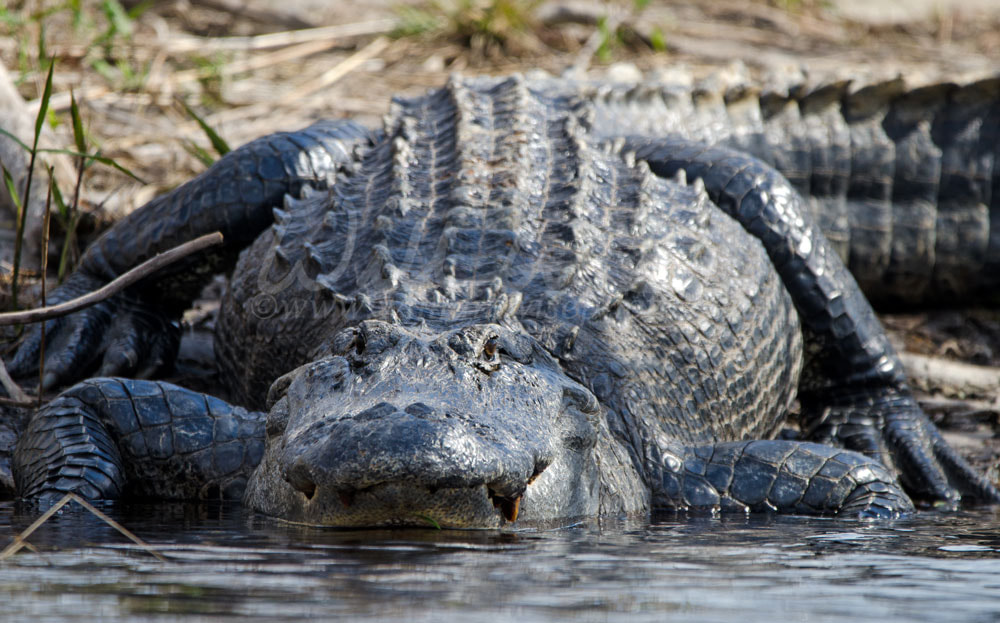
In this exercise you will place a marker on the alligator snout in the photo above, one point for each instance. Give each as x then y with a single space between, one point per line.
474 427
393 462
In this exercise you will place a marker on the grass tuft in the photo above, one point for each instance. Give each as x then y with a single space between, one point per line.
22 210
483 26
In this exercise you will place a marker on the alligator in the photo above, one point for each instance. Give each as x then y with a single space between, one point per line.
545 299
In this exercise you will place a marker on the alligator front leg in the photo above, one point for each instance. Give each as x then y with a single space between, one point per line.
136 333
853 391
115 438
776 475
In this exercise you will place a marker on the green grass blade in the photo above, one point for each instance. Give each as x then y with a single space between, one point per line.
136 12
8 181
44 107
199 152
111 163
42 44
43 110
76 154
23 145
119 22
221 146
430 521
78 136
61 206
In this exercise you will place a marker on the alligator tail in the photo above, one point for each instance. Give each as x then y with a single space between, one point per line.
905 182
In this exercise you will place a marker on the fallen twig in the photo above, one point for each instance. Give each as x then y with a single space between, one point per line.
966 408
257 14
138 273
937 373
338 71
203 45
17 396
255 63
304 94
20 404
20 540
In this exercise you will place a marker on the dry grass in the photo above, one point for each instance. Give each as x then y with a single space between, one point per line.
130 65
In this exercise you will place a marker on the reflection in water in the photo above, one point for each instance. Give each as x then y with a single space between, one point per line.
224 562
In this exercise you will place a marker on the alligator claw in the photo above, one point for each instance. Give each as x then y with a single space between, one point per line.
889 426
120 336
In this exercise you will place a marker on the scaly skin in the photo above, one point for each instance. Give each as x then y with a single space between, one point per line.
141 439
500 310
903 181
137 333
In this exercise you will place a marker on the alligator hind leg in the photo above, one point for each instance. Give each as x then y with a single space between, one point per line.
110 438
778 475
853 390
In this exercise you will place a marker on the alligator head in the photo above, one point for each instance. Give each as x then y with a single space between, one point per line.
469 428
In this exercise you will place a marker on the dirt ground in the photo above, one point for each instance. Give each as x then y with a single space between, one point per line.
251 68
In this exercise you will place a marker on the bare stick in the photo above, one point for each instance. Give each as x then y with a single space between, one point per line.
967 408
261 15
304 94
934 372
278 57
19 541
19 398
338 71
278 39
138 273
31 403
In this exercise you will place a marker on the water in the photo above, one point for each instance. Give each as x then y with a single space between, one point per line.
226 564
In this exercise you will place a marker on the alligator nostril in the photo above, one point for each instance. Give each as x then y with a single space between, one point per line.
490 348
539 468
308 488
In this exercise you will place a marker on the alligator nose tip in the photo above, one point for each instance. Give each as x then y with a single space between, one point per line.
300 479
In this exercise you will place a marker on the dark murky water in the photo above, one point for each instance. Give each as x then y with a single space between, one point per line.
226 564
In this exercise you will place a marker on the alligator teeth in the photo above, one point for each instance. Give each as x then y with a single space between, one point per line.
346 498
509 507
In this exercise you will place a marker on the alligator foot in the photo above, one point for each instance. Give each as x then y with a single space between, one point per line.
888 425
779 476
124 335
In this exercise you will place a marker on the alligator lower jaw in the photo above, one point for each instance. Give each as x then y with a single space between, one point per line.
407 505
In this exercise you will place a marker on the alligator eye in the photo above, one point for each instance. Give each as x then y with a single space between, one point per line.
490 347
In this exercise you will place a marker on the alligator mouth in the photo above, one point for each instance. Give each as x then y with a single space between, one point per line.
408 502
407 505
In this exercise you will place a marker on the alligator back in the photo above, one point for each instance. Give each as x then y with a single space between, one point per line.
487 202
904 181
